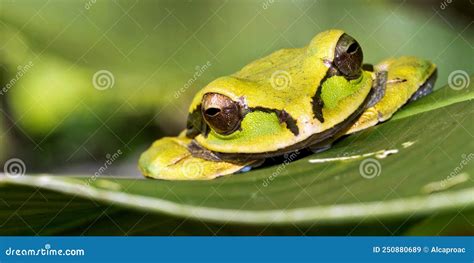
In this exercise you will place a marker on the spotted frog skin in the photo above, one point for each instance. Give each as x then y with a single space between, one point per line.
291 100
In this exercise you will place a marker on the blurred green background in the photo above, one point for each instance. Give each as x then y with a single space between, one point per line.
157 54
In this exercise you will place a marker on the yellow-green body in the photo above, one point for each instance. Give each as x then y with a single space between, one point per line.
286 83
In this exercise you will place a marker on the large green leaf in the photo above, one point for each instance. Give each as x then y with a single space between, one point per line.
422 160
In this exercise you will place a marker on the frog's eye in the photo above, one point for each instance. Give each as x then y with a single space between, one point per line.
221 113
348 57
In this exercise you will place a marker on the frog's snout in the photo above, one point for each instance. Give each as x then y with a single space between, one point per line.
221 113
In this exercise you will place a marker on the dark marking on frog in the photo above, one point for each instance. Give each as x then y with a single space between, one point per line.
283 117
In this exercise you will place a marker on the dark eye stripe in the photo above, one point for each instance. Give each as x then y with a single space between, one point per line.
317 102
196 125
283 117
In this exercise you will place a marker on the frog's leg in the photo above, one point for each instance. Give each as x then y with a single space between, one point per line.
378 91
408 79
378 87
169 158
426 88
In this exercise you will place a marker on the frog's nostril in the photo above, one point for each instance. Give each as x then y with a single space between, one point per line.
212 112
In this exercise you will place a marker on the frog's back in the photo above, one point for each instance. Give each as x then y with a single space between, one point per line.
263 68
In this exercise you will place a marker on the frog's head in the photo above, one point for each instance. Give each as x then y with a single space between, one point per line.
288 97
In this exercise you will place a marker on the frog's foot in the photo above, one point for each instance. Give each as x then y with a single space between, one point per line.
170 159
320 148
426 88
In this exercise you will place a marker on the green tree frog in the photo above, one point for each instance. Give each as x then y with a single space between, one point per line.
291 100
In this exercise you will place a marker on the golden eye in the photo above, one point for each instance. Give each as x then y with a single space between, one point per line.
221 113
348 57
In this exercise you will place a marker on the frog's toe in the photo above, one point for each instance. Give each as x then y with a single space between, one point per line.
426 88
169 159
